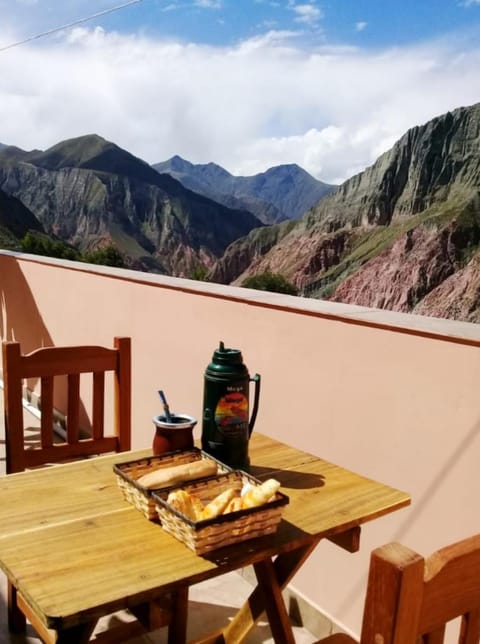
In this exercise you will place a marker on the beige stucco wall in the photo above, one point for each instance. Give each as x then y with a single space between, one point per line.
391 396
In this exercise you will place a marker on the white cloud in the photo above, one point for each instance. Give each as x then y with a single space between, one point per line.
247 107
361 25
273 39
306 13
208 4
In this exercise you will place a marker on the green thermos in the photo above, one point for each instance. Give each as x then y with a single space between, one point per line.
226 426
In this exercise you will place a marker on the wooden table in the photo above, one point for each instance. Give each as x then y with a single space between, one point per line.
75 550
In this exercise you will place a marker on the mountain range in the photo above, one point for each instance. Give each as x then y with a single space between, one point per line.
282 192
90 193
403 235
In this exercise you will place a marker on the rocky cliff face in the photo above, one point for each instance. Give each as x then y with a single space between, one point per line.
393 234
401 276
457 297
429 164
90 193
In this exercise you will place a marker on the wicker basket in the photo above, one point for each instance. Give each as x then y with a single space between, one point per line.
141 497
226 529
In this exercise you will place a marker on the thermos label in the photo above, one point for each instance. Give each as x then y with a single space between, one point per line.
231 413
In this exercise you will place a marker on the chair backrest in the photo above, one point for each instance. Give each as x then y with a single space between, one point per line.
410 598
46 364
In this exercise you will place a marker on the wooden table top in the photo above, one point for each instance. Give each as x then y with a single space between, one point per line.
75 549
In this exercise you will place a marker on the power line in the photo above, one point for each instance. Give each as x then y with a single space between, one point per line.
71 24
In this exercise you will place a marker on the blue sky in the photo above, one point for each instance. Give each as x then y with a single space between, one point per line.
367 23
364 23
248 84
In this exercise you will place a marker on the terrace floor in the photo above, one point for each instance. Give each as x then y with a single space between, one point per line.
212 603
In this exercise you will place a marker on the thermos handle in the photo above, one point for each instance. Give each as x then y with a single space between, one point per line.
256 380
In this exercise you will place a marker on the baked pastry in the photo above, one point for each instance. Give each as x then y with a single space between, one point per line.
219 503
186 503
174 474
260 494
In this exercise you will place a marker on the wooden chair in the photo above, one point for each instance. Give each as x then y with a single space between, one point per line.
47 363
411 599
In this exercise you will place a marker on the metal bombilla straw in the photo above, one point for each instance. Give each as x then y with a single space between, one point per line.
166 408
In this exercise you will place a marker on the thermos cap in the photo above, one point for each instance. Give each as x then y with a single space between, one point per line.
223 355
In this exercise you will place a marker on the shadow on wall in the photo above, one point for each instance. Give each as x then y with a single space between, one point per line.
20 318
21 321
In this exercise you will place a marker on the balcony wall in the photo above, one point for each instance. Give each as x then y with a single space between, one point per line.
391 396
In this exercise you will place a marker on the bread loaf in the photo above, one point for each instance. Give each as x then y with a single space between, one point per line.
186 503
219 503
234 505
260 494
168 476
227 501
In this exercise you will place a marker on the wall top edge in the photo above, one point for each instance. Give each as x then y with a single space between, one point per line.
439 328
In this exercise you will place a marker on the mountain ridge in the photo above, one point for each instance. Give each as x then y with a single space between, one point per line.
91 193
402 235
354 245
280 193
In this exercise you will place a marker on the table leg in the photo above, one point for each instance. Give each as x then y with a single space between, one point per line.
171 610
283 568
177 630
17 622
274 605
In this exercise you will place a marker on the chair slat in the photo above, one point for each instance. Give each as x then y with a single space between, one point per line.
51 361
64 451
470 630
13 407
98 408
46 420
73 408
123 393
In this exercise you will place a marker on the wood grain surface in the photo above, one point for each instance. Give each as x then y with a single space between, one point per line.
76 550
